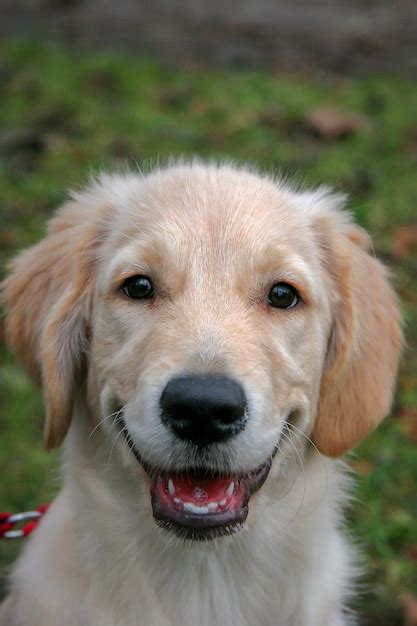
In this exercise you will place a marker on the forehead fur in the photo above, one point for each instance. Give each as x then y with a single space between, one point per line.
215 204
188 194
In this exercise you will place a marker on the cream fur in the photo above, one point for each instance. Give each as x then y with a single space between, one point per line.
214 239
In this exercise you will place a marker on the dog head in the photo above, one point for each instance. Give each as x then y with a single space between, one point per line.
206 310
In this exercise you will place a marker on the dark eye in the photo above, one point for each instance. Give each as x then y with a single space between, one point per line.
138 287
283 296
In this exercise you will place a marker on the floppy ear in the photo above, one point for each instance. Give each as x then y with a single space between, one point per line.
366 339
47 306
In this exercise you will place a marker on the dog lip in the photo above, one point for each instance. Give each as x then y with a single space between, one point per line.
199 523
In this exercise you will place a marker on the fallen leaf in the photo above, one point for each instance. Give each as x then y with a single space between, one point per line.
411 552
363 467
408 383
332 123
411 140
174 97
404 241
102 80
57 117
410 610
407 418
272 116
120 148
7 239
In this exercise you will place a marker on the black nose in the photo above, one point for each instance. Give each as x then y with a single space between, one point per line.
204 409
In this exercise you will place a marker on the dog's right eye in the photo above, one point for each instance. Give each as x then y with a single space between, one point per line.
138 287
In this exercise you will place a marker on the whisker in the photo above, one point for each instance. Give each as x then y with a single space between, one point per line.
104 419
286 436
311 442
288 472
303 434
115 440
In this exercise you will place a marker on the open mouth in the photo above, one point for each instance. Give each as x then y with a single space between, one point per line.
201 505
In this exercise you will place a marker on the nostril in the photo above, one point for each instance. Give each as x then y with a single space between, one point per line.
203 409
228 415
180 413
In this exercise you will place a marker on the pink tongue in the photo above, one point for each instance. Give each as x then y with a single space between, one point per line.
195 489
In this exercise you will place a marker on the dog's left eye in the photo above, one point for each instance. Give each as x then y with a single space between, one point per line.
283 296
138 287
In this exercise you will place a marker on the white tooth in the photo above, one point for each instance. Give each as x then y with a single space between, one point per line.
212 506
177 501
223 502
230 488
171 487
192 508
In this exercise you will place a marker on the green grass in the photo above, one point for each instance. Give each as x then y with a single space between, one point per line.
82 113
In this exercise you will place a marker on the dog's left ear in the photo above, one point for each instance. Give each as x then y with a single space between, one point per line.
366 339
47 301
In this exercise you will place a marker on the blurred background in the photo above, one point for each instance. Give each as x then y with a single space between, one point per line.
320 91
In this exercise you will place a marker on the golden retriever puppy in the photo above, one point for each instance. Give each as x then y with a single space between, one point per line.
208 341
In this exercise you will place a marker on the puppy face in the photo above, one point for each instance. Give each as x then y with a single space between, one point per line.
215 309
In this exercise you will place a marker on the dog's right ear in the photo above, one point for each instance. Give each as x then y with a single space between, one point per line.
365 341
47 301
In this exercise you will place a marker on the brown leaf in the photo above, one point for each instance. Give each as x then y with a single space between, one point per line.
101 80
363 467
411 140
404 241
332 123
408 383
411 552
410 610
272 116
7 239
407 418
